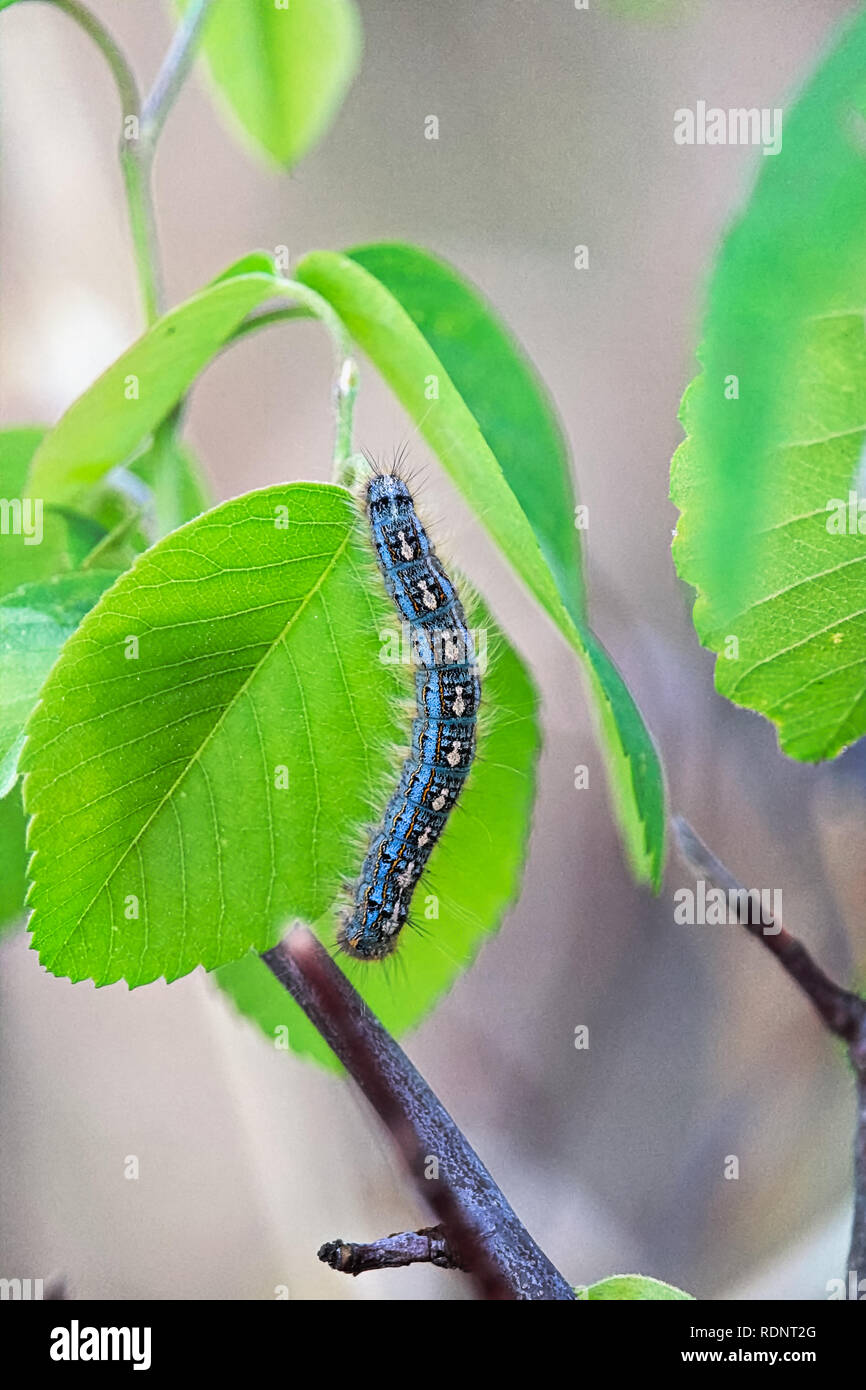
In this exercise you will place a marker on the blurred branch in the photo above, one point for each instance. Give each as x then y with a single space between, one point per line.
842 1012
428 1246
138 147
173 72
478 1223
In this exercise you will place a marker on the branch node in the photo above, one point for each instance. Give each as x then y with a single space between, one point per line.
427 1246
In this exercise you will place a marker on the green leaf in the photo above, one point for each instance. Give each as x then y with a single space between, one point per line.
153 779
631 1286
17 447
163 833
35 621
116 416
408 357
474 875
797 254
13 861
797 652
284 69
506 397
42 540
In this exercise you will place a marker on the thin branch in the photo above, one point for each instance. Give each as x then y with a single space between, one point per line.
480 1225
135 166
428 1246
137 151
842 1012
345 391
857 1253
173 72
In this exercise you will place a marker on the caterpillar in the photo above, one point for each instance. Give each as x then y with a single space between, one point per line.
447 692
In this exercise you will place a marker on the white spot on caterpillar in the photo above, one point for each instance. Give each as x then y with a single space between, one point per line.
453 758
422 839
440 801
459 704
405 878
405 548
427 598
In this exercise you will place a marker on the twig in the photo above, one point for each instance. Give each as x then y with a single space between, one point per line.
137 152
345 391
842 1012
428 1246
174 71
480 1225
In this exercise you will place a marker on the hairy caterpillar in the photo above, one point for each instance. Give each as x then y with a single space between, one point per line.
447 691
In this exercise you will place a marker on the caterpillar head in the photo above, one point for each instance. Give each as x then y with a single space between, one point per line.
370 934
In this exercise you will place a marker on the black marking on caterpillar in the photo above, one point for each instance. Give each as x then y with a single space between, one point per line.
447 691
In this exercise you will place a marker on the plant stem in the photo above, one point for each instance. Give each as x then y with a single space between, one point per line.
135 165
857 1253
173 72
312 305
479 1224
137 154
345 391
842 1012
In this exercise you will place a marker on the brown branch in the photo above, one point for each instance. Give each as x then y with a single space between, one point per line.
842 1012
428 1246
481 1227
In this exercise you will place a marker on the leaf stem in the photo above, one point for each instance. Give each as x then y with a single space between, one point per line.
173 72
345 391
313 305
138 150
266 318
135 166
480 1226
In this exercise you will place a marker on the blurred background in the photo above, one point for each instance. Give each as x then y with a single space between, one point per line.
556 129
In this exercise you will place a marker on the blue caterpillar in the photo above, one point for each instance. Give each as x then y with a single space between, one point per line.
448 691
